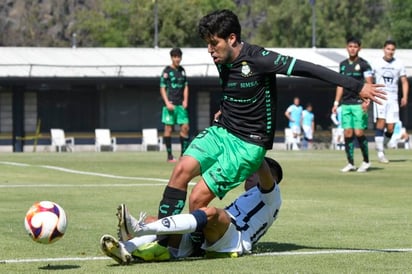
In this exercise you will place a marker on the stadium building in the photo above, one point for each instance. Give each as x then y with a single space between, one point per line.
81 89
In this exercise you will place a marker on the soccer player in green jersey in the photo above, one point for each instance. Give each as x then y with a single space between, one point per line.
174 89
354 110
233 148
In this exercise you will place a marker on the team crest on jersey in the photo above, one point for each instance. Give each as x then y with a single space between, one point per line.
165 75
357 67
246 69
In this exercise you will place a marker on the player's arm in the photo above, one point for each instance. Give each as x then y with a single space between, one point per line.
338 97
405 91
364 90
366 103
163 93
185 102
287 114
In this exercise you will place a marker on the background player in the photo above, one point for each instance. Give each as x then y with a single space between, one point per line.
308 126
174 90
294 115
388 71
354 110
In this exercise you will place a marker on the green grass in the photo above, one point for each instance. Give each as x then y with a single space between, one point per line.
322 210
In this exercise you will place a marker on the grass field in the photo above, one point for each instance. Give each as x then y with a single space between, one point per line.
329 222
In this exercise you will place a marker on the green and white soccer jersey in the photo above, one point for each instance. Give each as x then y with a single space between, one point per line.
359 70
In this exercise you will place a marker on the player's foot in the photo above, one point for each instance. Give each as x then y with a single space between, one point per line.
382 159
152 252
128 225
348 167
364 167
115 249
171 159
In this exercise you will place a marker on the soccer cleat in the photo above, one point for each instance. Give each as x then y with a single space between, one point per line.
364 167
114 249
171 159
348 167
152 252
128 225
382 159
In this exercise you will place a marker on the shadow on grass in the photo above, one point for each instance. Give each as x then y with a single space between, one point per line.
267 247
59 267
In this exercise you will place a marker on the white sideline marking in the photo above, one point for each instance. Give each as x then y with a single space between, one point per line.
285 253
85 172
67 170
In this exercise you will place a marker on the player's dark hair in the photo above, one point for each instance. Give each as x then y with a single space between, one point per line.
176 52
221 23
389 42
353 39
275 169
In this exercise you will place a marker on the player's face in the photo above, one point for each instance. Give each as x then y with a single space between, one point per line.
389 52
353 49
221 49
176 61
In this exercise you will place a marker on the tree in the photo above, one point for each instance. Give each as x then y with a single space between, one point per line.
400 15
120 23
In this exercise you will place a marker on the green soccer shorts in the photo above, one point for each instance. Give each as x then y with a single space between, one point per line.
178 116
225 160
353 116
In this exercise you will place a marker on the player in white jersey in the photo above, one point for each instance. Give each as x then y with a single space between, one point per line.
388 71
228 232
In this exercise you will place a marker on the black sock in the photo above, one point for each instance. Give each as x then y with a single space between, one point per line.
184 141
363 143
168 144
349 149
172 203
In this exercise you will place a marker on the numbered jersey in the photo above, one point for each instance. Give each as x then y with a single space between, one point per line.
253 213
389 73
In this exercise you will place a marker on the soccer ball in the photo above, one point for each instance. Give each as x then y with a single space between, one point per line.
45 222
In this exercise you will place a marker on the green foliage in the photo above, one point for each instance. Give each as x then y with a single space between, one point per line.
400 20
272 23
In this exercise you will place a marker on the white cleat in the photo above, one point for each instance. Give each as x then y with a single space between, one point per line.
382 159
364 167
348 167
128 226
115 249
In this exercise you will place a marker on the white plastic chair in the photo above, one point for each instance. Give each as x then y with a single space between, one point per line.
338 139
60 142
150 138
103 139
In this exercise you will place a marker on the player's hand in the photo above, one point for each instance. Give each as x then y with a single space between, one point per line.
404 102
170 106
365 105
217 115
373 92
